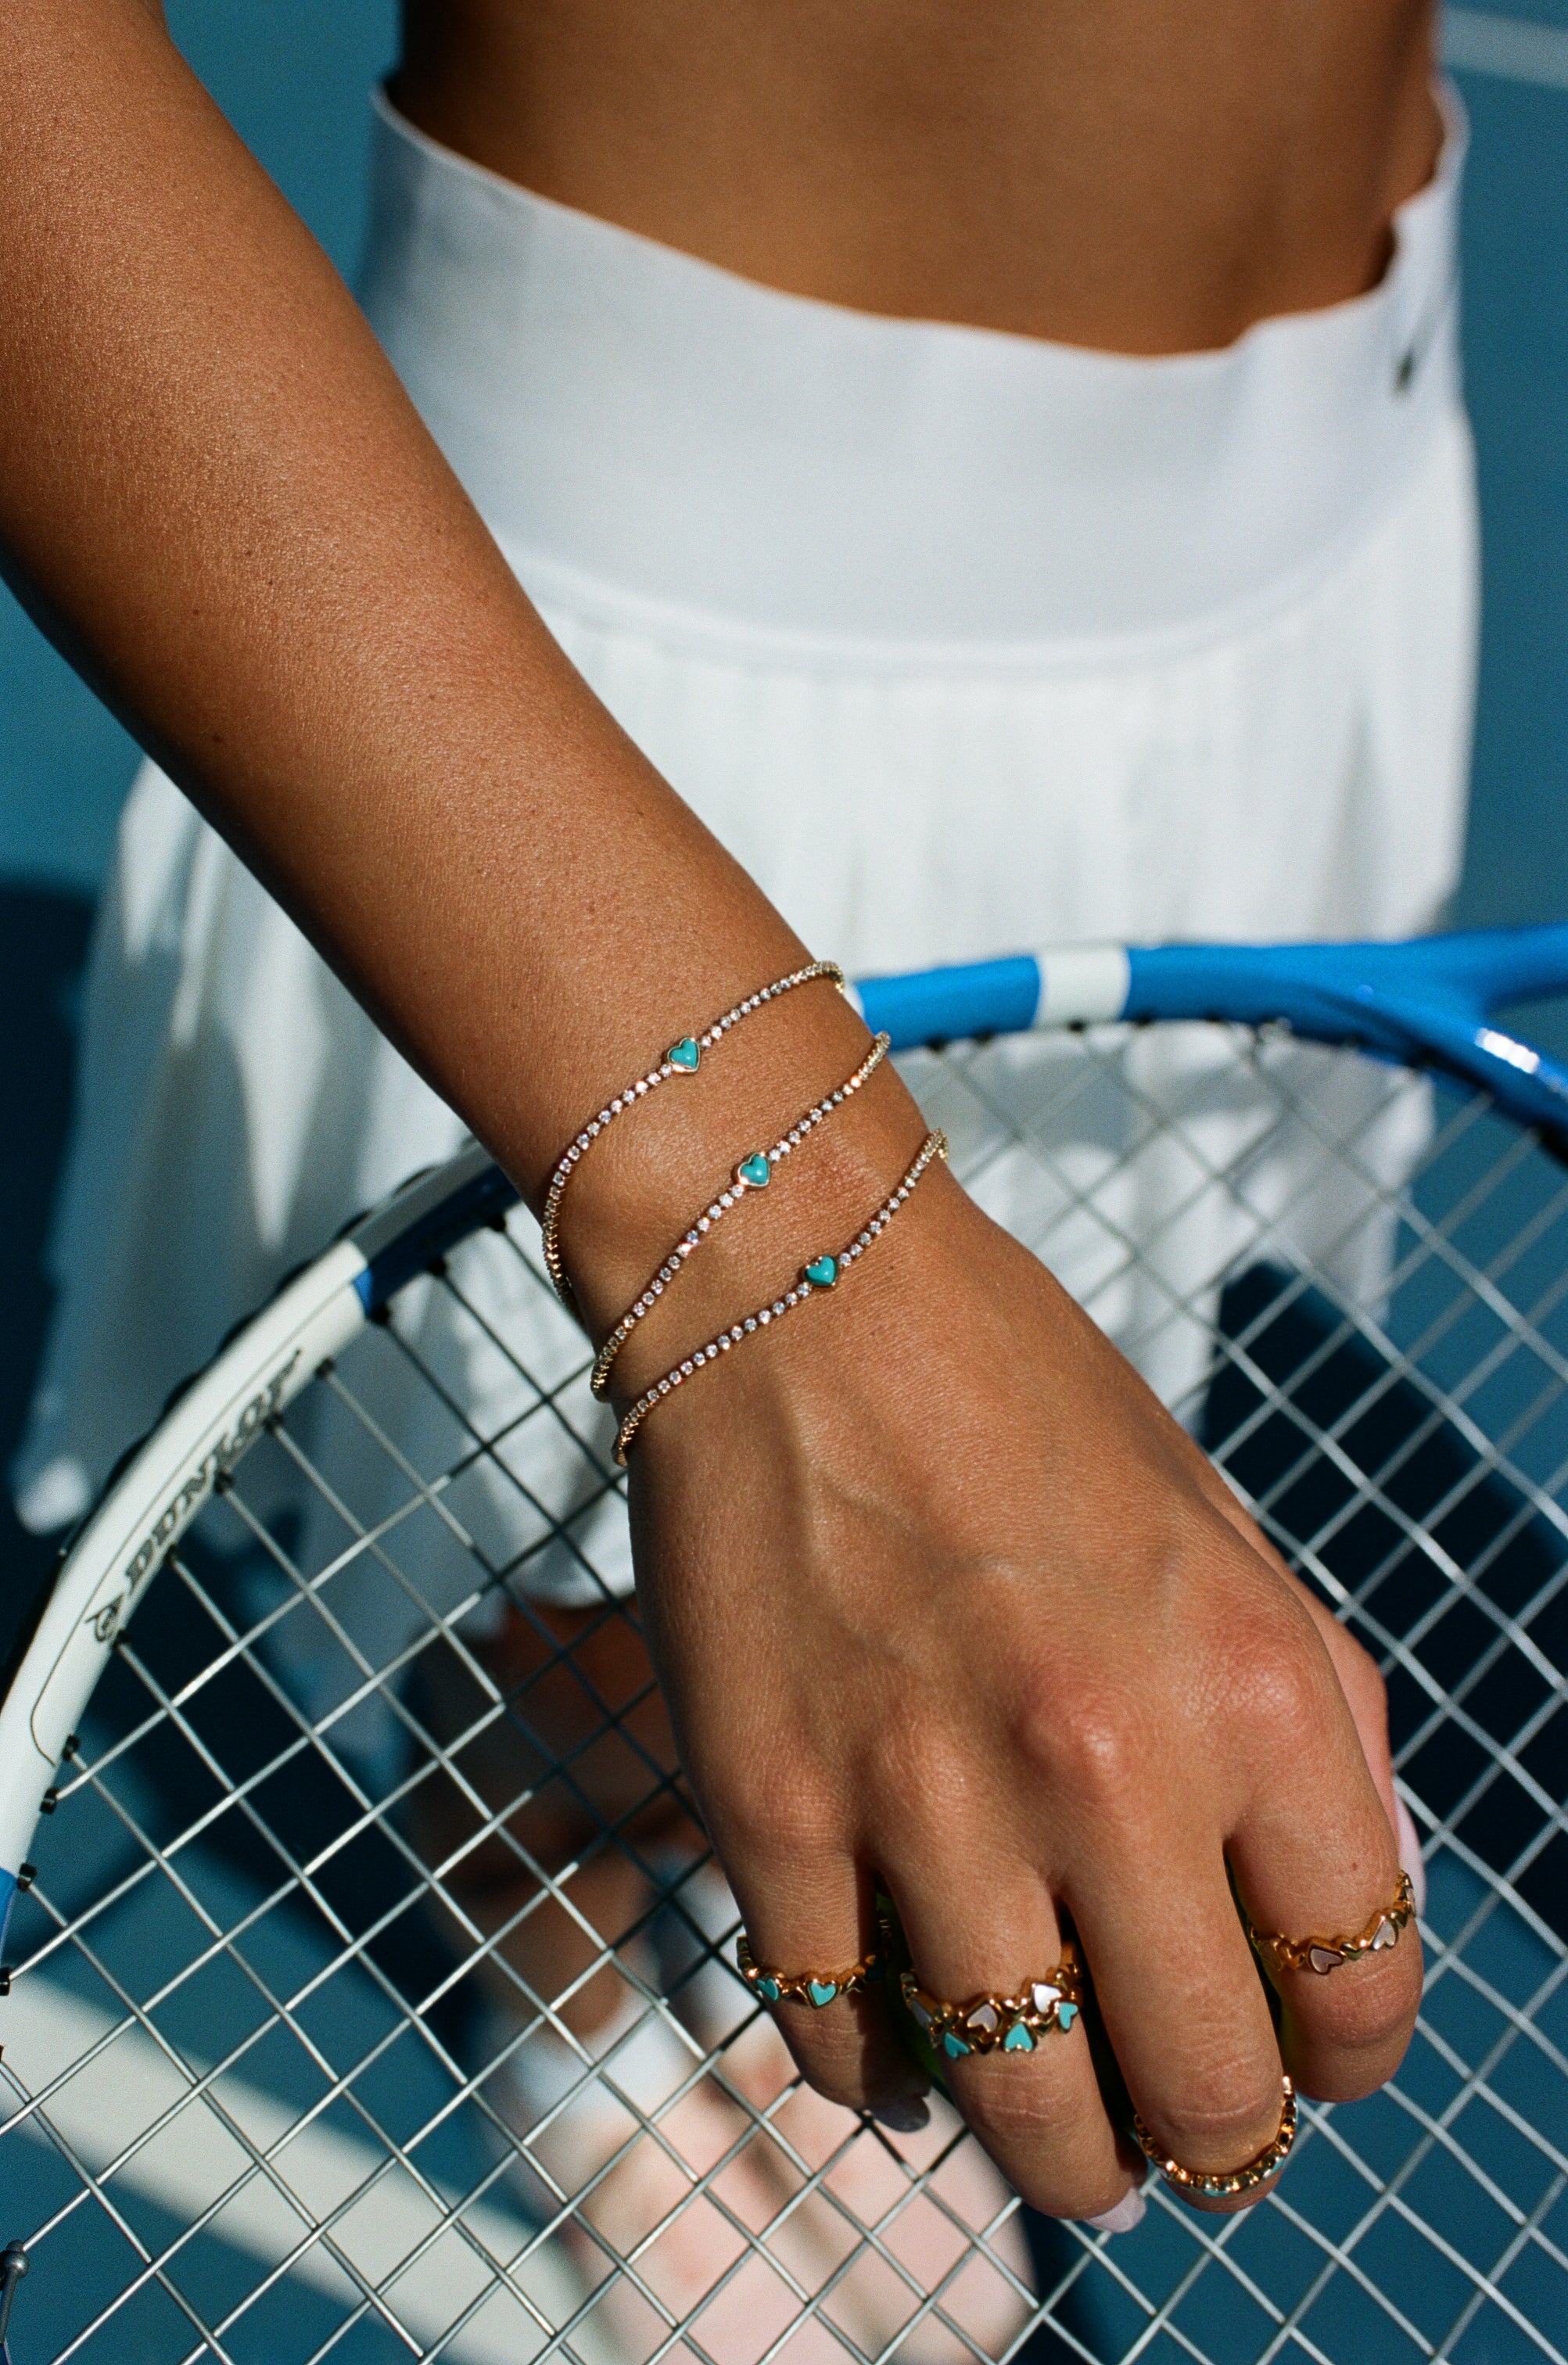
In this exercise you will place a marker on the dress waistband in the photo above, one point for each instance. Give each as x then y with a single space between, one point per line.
646 431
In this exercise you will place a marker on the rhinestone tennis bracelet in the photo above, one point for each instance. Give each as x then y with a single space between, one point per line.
822 1275
682 1058
752 1173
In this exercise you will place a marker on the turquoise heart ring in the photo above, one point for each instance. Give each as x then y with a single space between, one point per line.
817 1989
997 2024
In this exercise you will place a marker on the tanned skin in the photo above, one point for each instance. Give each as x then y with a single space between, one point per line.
936 1591
1145 175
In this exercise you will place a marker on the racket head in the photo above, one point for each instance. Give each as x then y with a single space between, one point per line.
236 1923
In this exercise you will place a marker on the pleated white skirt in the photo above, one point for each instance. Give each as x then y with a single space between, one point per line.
963 643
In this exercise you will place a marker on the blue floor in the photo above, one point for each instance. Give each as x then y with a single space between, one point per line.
293 76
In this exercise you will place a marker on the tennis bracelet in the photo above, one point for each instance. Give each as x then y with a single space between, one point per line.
822 1275
682 1058
752 1173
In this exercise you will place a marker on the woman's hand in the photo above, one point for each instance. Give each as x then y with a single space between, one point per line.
943 1598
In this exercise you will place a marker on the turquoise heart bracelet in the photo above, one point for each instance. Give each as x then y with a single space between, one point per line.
752 1173
817 1989
682 1058
823 1273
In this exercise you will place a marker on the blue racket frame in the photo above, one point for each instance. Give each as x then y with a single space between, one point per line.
1429 1002
1426 1002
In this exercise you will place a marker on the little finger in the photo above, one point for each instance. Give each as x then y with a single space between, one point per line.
1184 2010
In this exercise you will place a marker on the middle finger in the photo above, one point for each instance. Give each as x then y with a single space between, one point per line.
978 1932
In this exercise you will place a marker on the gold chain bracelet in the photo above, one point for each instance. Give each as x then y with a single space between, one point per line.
1221 2184
752 1173
822 1275
682 1058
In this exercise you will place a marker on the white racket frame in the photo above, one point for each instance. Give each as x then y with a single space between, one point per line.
107 1567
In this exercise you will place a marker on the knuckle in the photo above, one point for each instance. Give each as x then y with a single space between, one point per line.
1018 2117
838 2063
1091 1740
1051 2150
1279 1676
1385 2005
1223 2119
774 1823
1005 2121
1368 2028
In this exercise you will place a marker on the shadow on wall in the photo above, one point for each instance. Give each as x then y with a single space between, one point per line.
43 944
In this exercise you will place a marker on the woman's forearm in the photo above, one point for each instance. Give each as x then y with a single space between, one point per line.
211 477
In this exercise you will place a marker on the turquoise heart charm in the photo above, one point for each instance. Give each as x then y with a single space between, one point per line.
955 2046
821 1991
685 1054
756 1171
1066 2014
769 1990
1018 2039
823 1272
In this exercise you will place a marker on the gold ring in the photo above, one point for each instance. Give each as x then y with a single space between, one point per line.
997 2024
818 1989
1325 1955
1224 2185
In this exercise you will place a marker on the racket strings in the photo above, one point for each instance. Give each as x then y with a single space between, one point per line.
1148 1121
507 1808
199 2090
1522 1323
1368 1428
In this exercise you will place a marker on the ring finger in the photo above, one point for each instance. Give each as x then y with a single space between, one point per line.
1186 2014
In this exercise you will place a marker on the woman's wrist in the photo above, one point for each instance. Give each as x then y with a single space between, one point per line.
649 1178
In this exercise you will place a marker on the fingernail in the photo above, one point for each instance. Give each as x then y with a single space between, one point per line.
1410 1857
1127 2212
903 2118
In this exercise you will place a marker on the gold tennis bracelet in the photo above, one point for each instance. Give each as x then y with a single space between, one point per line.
751 1173
682 1058
822 1273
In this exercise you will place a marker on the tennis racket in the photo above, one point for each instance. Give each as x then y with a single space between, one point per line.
264 2047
